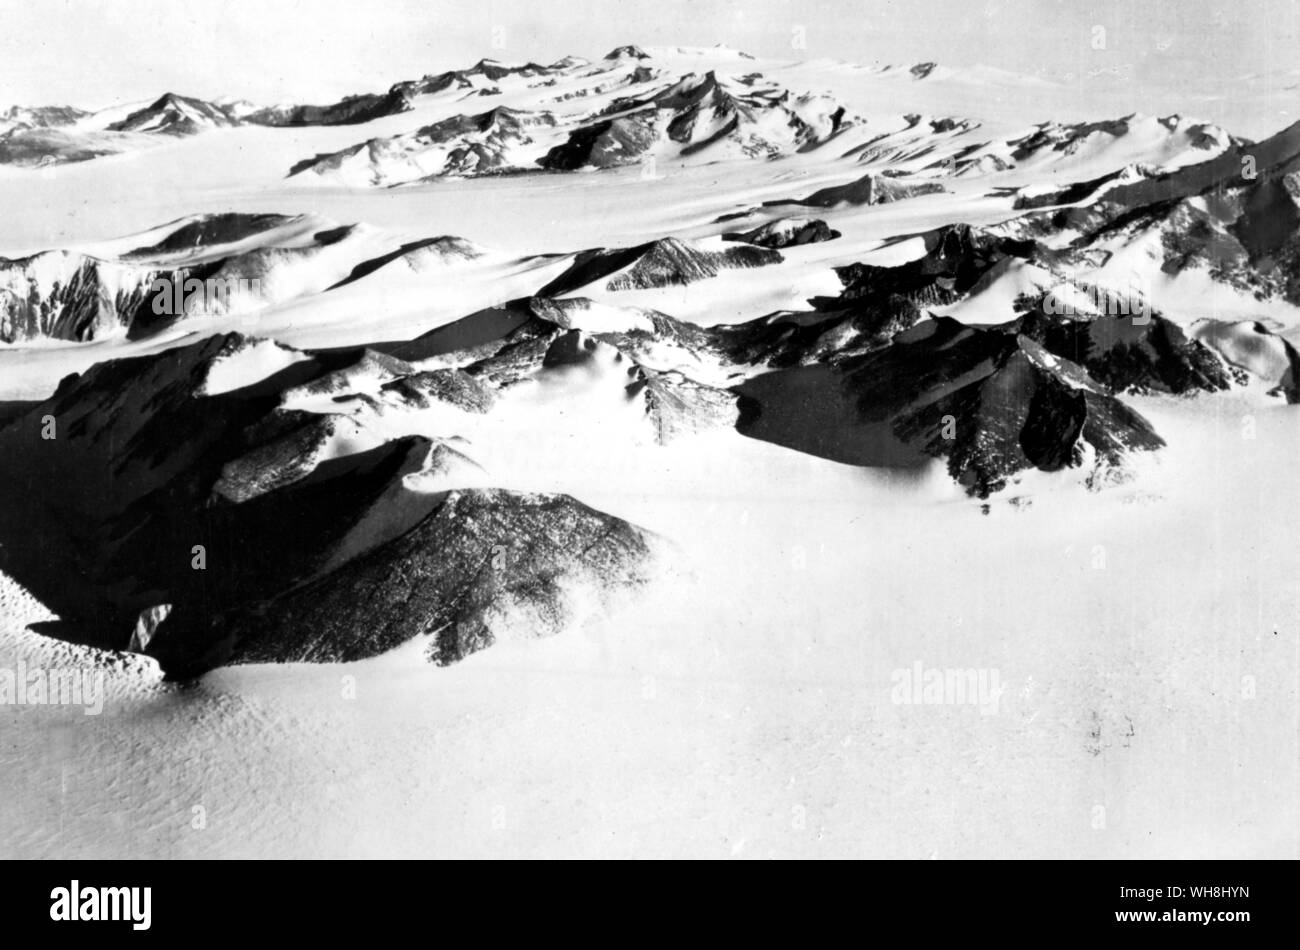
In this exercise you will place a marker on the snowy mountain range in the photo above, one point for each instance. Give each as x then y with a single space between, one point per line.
886 291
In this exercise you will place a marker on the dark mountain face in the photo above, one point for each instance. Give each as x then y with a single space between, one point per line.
834 334
867 190
214 229
627 52
154 462
889 381
1131 353
605 144
957 257
175 115
351 110
502 119
1065 138
1235 217
488 69
74 297
785 232
478 567
64 296
661 263
992 402
1250 216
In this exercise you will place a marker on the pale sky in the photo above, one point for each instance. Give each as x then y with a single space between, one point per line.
93 53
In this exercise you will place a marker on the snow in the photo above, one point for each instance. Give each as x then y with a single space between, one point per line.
247 366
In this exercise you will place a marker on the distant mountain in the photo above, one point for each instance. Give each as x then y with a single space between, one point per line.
661 263
60 135
19 118
357 110
175 115
697 114
46 147
1235 217
674 104
493 141
351 110
705 115
214 265
867 190
59 295
627 52
785 232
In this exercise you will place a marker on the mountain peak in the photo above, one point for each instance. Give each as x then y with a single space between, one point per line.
627 52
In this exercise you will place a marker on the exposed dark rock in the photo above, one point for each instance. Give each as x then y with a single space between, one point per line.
175 115
1131 353
785 232
871 189
957 258
661 263
212 229
450 386
485 564
60 295
606 144
351 110
991 401
694 114
627 52
1065 138
678 406
481 144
